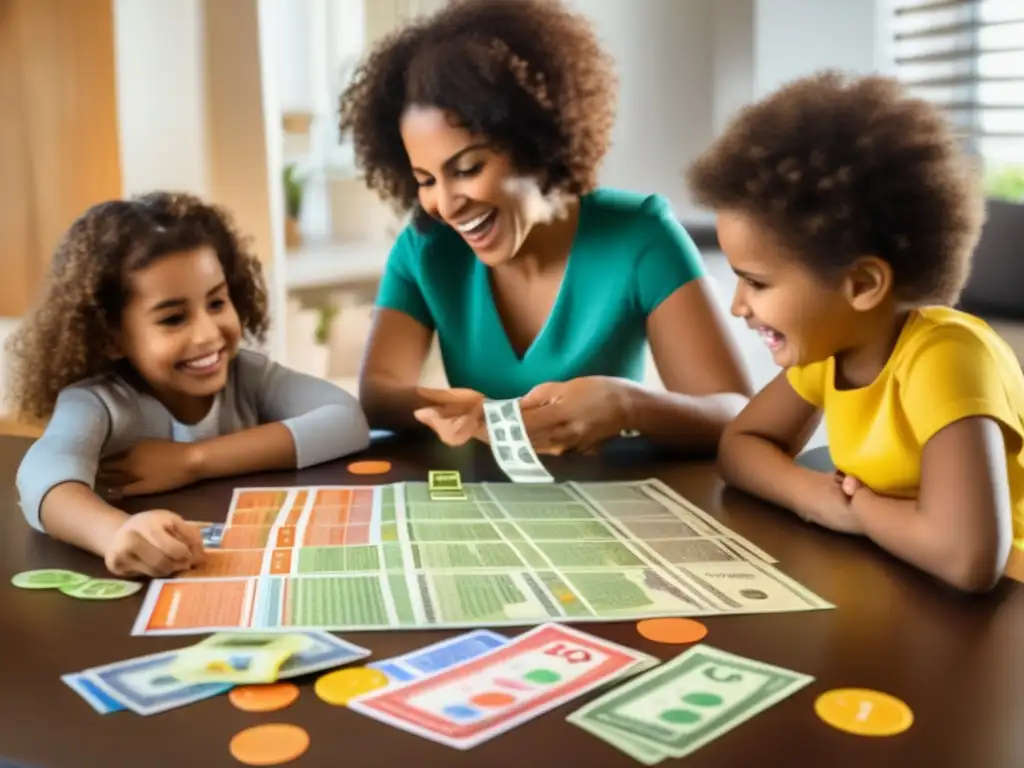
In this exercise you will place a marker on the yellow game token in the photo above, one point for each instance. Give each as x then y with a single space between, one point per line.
864 712
343 685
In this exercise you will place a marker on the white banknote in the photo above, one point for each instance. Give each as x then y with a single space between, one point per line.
511 445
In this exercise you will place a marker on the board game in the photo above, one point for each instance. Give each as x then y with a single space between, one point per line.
386 557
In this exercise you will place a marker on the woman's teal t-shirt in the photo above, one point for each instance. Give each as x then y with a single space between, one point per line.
630 254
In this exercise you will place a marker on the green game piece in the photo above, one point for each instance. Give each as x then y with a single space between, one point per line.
448 495
445 485
444 479
48 578
102 589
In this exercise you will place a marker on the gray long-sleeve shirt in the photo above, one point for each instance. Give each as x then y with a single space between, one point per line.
105 416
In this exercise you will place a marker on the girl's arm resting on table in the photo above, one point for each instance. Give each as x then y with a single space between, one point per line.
700 367
397 347
73 513
758 447
960 527
307 421
55 479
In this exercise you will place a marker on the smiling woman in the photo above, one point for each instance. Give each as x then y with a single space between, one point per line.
488 121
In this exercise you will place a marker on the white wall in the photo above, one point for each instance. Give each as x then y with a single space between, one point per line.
732 40
663 52
161 94
795 37
686 66
191 108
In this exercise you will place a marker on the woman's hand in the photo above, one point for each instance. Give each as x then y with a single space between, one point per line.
455 415
151 466
576 415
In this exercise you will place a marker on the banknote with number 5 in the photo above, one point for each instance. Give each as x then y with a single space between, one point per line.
687 702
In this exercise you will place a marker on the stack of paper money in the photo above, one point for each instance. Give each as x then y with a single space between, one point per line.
511 445
683 704
162 681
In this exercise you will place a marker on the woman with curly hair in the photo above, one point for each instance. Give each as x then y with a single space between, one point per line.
849 213
488 121
133 354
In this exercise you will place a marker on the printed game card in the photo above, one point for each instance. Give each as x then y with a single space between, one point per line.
476 700
439 656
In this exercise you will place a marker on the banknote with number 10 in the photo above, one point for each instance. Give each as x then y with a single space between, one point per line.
476 700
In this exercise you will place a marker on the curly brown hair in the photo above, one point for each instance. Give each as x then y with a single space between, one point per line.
69 334
838 167
527 74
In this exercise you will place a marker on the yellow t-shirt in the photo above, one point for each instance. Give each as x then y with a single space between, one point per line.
947 365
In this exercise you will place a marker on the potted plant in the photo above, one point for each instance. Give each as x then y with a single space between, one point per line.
320 360
993 289
294 188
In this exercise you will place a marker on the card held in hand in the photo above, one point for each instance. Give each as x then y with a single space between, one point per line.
476 700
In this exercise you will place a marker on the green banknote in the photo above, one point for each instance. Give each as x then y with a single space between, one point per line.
680 706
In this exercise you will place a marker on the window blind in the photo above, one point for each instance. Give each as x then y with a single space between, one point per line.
967 56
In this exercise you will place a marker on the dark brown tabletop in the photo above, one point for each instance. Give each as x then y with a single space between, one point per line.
957 660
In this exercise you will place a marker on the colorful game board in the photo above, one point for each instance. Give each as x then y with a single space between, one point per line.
388 557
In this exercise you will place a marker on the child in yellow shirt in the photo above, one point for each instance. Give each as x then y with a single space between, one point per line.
849 213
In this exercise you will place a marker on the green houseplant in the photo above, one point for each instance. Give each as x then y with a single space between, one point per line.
294 189
1006 183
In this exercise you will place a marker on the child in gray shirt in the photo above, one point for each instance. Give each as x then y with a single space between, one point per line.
135 356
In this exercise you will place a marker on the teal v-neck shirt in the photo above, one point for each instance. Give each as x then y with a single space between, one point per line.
630 254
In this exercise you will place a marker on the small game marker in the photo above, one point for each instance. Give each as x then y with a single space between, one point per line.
264 698
343 685
48 578
672 631
863 712
378 467
270 744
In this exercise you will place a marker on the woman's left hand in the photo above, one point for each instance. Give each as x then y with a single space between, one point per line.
576 415
151 466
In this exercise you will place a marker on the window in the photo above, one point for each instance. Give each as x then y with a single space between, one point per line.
967 56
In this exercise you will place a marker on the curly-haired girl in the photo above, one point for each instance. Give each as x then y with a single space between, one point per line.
133 354
488 121
849 213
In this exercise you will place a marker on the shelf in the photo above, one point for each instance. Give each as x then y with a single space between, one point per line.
322 265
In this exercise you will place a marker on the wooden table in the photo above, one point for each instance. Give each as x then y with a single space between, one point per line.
958 661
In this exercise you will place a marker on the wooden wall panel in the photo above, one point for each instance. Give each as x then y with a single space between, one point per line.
58 131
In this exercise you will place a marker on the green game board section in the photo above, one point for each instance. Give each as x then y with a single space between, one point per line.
339 559
487 598
402 599
515 554
446 556
542 511
449 531
446 510
558 530
336 602
568 554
